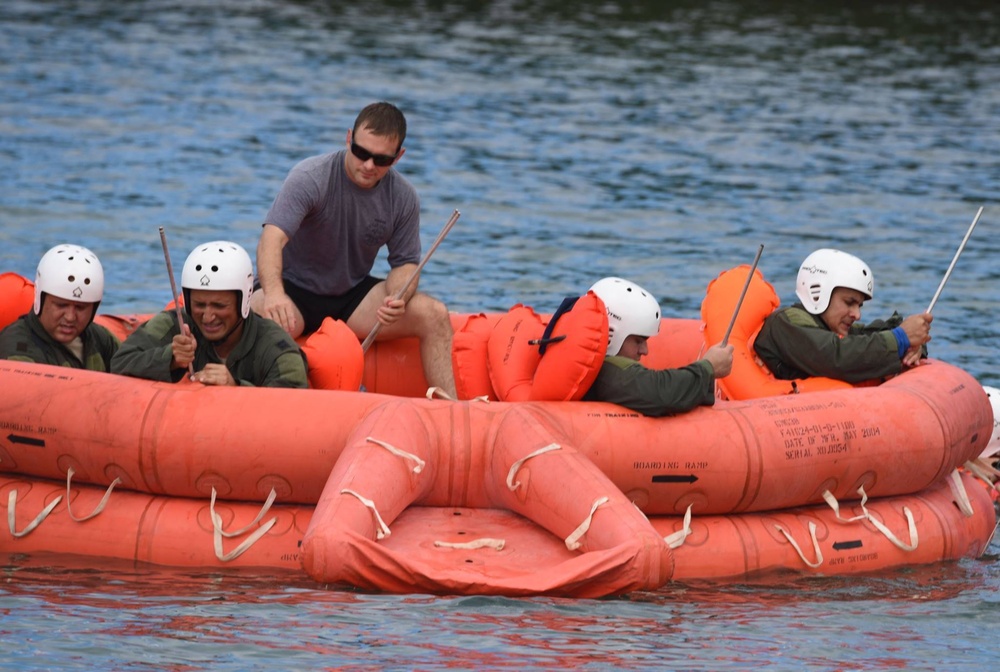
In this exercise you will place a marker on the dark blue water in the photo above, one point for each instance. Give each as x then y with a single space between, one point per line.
659 141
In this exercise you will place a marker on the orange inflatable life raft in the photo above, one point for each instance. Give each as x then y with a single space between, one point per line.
752 455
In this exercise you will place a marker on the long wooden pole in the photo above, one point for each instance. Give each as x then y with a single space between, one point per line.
444 232
955 259
173 290
746 285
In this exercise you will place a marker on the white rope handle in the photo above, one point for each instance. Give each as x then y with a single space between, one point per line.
383 530
895 540
12 502
835 505
984 472
438 392
246 528
511 485
960 493
573 540
244 546
100 506
485 542
400 453
812 535
676 539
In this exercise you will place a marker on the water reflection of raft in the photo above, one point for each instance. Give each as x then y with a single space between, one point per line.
385 490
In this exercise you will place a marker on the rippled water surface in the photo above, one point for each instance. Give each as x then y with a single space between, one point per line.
662 141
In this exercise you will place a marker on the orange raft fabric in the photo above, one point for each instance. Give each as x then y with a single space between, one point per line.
142 528
334 357
738 546
521 368
178 532
522 467
752 455
17 296
749 379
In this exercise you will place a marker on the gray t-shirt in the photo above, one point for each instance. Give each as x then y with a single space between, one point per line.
336 228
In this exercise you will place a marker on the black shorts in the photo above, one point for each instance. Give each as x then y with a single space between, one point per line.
316 307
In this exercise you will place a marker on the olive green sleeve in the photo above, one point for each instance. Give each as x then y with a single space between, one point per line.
148 352
795 344
654 392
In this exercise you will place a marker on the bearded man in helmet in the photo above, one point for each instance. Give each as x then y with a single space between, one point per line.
224 341
634 316
60 329
821 335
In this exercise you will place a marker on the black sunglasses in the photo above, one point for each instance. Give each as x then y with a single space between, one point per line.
381 160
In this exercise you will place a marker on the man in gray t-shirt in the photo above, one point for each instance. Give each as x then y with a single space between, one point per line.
323 232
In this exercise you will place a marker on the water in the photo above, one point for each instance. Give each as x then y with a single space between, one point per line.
659 141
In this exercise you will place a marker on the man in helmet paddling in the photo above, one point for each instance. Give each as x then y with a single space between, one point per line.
821 335
634 316
60 329
226 343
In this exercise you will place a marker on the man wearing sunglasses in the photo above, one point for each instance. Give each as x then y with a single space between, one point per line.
320 239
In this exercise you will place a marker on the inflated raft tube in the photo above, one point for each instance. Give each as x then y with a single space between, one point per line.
749 378
44 517
952 520
399 457
87 525
752 455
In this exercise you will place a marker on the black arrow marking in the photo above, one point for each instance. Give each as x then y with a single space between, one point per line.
845 545
671 478
14 438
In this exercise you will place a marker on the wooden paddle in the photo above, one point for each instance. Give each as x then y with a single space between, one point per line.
743 294
173 290
444 232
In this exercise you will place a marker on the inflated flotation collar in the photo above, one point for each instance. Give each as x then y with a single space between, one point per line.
334 357
750 377
17 296
468 358
529 359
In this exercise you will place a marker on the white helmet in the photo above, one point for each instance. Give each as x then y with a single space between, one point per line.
993 447
826 269
219 266
70 272
632 311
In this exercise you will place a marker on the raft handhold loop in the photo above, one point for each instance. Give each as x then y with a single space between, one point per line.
573 540
438 392
812 535
984 471
912 528
511 485
383 530
217 532
243 530
676 540
831 499
100 506
961 496
485 542
12 502
400 453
